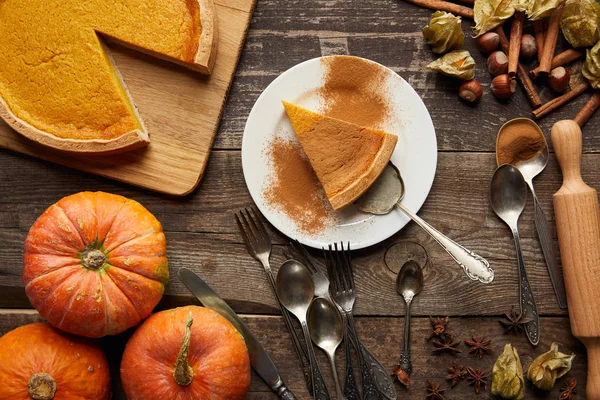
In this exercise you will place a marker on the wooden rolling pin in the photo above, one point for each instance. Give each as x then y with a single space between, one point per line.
578 228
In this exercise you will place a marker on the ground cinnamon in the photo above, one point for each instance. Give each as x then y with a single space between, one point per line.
519 141
354 91
294 188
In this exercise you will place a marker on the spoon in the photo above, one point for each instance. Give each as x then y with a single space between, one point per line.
409 283
326 330
388 191
530 168
508 195
295 289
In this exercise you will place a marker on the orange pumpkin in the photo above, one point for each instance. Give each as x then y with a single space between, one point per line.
95 264
42 363
187 353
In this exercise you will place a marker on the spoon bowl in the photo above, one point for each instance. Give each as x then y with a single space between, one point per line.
326 330
409 281
295 287
508 194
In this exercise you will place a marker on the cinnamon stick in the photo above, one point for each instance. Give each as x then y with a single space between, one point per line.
530 92
550 41
559 60
470 2
514 46
588 109
560 101
540 35
442 5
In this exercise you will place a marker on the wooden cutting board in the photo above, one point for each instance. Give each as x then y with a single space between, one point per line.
181 110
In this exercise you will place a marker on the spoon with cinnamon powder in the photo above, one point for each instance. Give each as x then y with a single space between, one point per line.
521 143
387 193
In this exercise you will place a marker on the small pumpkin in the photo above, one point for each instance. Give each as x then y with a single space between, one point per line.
186 353
42 363
95 264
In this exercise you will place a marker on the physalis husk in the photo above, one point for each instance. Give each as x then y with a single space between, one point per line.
458 64
537 9
548 367
444 32
591 66
580 22
489 14
507 375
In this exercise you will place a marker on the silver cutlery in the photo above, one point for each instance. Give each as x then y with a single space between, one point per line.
508 195
259 358
382 378
530 168
388 191
296 290
258 244
339 268
326 330
409 284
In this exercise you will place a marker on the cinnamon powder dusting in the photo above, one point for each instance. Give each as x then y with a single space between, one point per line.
353 91
295 189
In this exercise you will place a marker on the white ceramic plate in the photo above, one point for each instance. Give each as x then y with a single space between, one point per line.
415 154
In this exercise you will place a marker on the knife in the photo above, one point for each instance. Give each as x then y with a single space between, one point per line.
259 359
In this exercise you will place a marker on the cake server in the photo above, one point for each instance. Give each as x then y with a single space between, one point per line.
388 191
259 359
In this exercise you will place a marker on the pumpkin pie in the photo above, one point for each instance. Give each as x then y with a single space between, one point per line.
347 158
58 83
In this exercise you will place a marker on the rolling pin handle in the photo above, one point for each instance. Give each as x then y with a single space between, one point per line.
592 346
567 144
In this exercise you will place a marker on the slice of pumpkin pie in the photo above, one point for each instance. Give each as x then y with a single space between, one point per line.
347 158
58 83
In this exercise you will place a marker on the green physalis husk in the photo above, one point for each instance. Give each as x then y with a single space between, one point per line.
457 64
580 22
507 375
548 367
538 9
591 66
444 33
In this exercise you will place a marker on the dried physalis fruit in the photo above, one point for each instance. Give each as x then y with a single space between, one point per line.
579 22
489 14
591 66
444 33
507 375
538 9
548 367
457 64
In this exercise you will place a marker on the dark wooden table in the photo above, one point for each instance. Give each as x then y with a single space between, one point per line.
202 236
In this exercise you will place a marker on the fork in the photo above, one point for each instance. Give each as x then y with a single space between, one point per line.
375 380
258 244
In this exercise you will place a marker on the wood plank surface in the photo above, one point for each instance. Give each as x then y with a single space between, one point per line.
383 336
180 108
201 234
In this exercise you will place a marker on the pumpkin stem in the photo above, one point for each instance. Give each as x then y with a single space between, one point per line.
93 259
182 372
41 386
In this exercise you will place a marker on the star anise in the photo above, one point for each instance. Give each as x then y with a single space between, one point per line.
439 326
479 346
445 344
434 392
477 378
456 373
568 390
515 322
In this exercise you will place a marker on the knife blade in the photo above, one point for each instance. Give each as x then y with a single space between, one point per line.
259 358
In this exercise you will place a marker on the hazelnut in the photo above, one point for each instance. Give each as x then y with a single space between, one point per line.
503 86
528 47
497 63
558 80
488 42
470 91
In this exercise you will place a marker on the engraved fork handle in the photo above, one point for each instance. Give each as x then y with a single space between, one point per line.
526 300
350 386
300 350
370 392
475 266
545 235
